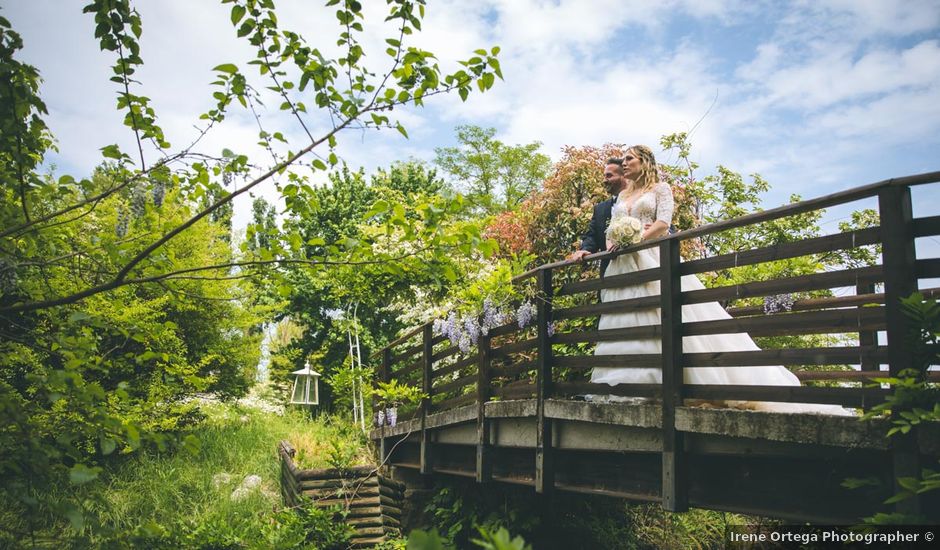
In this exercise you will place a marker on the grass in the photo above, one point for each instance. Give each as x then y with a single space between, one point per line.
185 497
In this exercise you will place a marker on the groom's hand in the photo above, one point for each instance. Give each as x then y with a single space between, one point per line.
577 255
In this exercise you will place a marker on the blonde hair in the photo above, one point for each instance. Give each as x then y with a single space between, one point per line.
649 174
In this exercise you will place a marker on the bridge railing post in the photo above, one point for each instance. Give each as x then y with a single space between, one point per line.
866 338
675 487
384 376
544 464
484 471
900 276
426 385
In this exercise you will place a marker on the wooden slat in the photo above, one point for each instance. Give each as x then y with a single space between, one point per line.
615 281
456 384
618 306
809 205
407 353
849 397
515 347
928 269
454 402
813 322
412 368
638 361
402 339
812 304
839 241
503 330
852 375
624 390
444 353
928 226
632 333
333 484
815 281
512 370
515 391
805 356
455 367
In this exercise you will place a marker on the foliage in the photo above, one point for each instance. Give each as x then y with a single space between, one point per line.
563 520
184 498
406 233
914 400
498 539
555 217
393 394
120 294
494 176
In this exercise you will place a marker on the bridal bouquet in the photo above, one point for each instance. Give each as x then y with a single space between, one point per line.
624 230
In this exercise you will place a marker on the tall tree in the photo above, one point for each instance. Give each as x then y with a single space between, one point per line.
494 175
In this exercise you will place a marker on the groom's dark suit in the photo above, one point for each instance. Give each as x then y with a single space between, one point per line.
595 238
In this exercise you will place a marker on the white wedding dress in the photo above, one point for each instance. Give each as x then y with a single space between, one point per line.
658 205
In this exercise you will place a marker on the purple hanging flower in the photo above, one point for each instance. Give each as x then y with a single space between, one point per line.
471 329
391 414
525 313
777 303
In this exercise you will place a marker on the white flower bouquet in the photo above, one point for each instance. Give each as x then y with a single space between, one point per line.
624 230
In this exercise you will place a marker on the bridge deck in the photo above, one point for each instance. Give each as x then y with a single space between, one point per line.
789 466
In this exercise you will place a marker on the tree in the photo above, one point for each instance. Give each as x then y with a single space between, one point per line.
120 295
353 94
370 214
495 176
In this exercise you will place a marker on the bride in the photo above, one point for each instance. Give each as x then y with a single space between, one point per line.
650 201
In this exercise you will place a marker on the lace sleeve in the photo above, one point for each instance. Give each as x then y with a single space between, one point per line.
664 202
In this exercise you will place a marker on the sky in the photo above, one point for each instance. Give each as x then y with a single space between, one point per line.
815 96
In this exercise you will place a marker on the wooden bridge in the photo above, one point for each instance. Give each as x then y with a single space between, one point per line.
511 410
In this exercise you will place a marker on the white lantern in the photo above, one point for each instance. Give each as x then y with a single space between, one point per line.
306 386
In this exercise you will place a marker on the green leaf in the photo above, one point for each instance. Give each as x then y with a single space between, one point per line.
379 207
237 13
80 474
75 516
226 68
111 152
421 540
107 445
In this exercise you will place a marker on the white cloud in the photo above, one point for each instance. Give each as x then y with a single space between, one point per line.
836 78
833 78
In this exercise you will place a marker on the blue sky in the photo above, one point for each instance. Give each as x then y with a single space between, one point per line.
816 96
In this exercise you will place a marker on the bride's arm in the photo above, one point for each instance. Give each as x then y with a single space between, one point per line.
664 208
655 229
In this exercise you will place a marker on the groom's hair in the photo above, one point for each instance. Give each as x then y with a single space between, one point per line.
617 161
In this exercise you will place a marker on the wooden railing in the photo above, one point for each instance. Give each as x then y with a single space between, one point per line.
524 363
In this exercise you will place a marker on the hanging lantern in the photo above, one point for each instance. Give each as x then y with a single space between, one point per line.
306 386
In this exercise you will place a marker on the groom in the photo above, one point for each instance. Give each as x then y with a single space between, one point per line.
595 238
